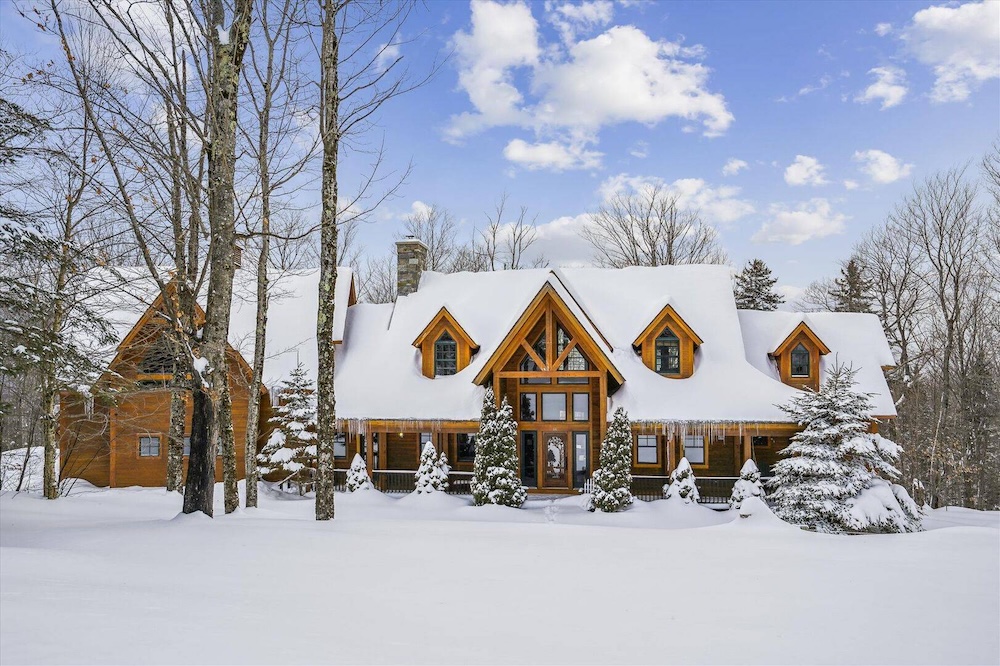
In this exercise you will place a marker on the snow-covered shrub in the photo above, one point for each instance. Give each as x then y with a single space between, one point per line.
495 478
430 478
612 487
290 451
748 485
836 476
443 464
357 476
682 484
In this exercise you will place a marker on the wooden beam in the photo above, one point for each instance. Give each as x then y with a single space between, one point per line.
550 375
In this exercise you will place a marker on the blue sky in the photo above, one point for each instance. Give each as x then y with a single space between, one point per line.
763 83
825 113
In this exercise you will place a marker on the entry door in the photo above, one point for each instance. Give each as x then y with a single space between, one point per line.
553 458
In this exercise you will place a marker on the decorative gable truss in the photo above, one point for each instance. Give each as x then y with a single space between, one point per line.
798 357
667 345
445 347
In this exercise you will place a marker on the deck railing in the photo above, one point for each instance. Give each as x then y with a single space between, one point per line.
711 489
402 481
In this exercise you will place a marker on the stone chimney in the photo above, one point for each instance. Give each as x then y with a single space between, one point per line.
411 257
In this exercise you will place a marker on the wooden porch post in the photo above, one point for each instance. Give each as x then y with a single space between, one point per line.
747 450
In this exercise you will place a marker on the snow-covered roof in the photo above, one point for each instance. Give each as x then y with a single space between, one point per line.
379 371
291 325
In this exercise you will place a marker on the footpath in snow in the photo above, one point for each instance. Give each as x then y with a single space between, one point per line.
117 577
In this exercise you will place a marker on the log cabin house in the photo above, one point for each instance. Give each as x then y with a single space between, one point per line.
566 347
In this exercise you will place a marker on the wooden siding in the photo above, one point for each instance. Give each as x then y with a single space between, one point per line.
785 363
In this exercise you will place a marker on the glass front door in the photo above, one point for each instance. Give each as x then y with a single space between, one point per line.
529 459
554 457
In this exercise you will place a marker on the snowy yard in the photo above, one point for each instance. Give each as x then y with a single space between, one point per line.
115 576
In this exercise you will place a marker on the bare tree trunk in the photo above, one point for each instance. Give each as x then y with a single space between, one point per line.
260 333
228 443
212 406
50 481
326 404
175 442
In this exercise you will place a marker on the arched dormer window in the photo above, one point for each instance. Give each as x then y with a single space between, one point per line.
800 361
667 345
445 355
668 353
445 347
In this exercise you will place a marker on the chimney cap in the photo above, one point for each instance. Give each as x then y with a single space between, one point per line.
411 240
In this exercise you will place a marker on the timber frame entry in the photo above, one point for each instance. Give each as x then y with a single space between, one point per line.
557 378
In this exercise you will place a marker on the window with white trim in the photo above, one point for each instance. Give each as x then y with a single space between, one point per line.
645 450
694 449
149 447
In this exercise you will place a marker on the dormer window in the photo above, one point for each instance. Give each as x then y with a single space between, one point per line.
445 355
800 361
667 345
668 353
445 348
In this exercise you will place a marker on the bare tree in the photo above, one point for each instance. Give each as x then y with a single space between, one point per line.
648 227
377 279
437 228
504 243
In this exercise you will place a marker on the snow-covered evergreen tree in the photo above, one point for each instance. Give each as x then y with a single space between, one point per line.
754 289
443 464
612 482
495 477
682 484
290 450
748 485
430 477
852 291
836 476
357 476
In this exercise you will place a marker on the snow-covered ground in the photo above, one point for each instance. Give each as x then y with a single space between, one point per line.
116 576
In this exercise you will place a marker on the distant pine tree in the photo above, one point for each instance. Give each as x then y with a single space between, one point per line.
613 479
291 449
836 476
495 478
754 289
852 291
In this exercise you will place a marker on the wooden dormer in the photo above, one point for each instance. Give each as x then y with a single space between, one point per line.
676 341
798 358
455 351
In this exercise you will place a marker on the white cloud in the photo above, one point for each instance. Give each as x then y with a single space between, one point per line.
889 86
882 167
569 91
850 185
960 43
733 166
883 29
805 170
561 241
808 220
570 19
639 149
551 155
824 81
388 54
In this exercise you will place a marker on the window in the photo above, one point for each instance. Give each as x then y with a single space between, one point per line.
340 445
149 447
553 406
529 406
581 458
425 438
758 442
694 449
445 355
800 361
528 364
466 447
645 450
187 445
668 353
581 406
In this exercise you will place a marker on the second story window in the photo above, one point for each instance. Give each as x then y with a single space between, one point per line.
668 353
445 355
800 361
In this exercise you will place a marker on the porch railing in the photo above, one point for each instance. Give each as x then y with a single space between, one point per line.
402 481
711 489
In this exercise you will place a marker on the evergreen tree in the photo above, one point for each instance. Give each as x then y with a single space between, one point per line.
852 291
748 485
290 449
357 476
682 484
443 464
495 477
430 477
836 476
754 288
613 479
